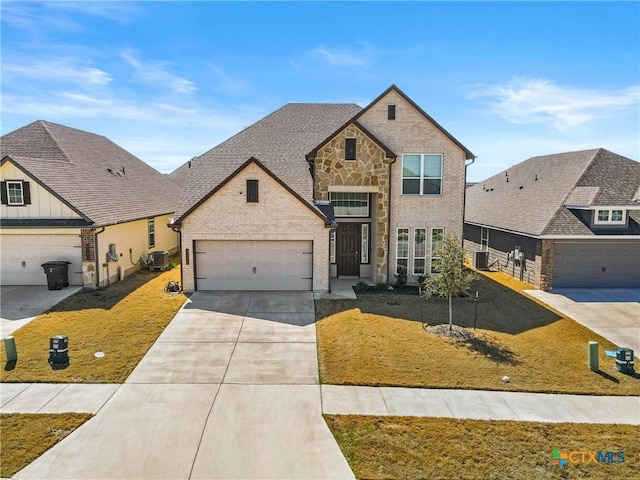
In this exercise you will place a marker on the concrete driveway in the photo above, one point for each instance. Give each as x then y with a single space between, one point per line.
21 304
229 390
612 313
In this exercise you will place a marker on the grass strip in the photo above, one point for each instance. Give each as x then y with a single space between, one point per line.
27 436
438 448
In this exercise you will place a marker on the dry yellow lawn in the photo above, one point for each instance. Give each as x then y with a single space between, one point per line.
439 448
122 320
27 436
380 339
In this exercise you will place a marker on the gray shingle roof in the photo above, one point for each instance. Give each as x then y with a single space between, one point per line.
279 141
74 164
533 200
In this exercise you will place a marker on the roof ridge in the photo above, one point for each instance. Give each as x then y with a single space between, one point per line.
44 125
597 153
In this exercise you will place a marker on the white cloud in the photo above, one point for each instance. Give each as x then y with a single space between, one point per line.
526 101
343 57
158 73
58 69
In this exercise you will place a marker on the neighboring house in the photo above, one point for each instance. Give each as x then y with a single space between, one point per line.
564 220
315 191
75 196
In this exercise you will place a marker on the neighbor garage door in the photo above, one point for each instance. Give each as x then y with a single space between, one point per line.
597 264
254 265
23 255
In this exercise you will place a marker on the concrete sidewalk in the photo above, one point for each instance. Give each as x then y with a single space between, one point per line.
479 404
229 390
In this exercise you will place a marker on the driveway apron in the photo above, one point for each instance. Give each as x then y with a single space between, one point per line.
229 390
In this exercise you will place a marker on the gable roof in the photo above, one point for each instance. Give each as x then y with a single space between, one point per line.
532 197
387 151
257 162
91 174
468 154
280 140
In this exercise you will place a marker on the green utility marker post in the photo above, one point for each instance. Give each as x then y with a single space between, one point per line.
593 357
10 349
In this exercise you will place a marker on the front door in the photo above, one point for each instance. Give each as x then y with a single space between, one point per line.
347 249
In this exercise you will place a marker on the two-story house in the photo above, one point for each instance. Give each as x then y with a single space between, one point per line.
317 191
567 220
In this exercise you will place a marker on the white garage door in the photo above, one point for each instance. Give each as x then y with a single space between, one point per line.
254 265
23 255
602 264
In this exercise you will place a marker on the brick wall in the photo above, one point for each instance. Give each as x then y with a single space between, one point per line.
411 132
278 215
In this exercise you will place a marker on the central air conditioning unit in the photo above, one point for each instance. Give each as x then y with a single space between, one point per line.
481 260
159 261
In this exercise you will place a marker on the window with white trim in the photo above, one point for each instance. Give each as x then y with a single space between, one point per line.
151 225
610 217
349 204
364 243
402 251
484 239
332 246
437 236
14 193
421 174
419 251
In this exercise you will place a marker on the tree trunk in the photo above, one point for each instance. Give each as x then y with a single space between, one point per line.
450 314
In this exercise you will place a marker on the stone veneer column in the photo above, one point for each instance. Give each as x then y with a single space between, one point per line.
87 240
370 169
546 267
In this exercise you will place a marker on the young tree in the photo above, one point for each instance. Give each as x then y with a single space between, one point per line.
449 277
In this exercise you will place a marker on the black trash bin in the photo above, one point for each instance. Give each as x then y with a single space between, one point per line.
57 274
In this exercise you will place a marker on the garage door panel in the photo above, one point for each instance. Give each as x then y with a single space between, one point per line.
34 250
253 265
602 264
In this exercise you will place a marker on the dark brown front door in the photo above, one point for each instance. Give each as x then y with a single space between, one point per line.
347 249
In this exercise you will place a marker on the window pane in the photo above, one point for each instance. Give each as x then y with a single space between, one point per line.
350 149
14 191
350 204
364 256
437 234
403 243
418 266
616 216
432 166
411 165
434 268
332 247
411 187
420 242
431 186
402 265
603 215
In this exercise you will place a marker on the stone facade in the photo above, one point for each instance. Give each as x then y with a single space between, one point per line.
370 170
545 278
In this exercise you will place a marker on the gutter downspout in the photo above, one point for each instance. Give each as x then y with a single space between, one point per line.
464 198
389 223
95 254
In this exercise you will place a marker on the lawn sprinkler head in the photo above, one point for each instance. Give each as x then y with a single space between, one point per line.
505 379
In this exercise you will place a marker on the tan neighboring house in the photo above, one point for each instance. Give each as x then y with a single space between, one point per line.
567 220
318 191
70 195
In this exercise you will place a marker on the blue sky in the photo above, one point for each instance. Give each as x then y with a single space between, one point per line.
169 80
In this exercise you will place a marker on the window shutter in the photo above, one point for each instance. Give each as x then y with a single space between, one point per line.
3 187
26 193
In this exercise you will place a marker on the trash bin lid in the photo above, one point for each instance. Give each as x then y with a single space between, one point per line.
55 263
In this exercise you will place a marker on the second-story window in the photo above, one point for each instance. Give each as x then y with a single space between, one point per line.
252 191
349 148
391 112
421 174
